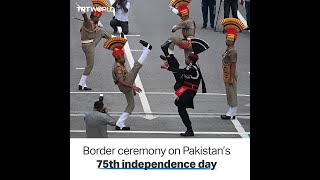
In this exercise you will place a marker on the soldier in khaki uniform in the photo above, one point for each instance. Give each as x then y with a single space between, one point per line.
123 78
187 26
229 60
90 37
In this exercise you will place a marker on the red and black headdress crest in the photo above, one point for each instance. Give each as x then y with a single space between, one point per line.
100 6
232 26
115 44
182 6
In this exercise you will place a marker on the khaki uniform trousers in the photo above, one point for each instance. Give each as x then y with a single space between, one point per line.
128 92
177 41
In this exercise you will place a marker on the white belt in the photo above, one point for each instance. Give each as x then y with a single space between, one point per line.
87 41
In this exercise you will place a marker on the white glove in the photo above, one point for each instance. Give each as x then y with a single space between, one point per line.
100 24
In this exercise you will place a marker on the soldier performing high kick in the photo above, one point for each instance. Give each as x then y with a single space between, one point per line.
123 78
186 86
90 37
187 26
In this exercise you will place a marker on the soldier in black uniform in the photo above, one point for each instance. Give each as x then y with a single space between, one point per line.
186 86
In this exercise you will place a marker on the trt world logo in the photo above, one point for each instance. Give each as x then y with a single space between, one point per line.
90 9
98 9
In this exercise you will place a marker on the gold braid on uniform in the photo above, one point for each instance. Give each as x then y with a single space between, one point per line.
114 42
232 23
177 3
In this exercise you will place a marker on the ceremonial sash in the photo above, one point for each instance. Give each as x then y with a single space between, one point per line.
185 87
227 73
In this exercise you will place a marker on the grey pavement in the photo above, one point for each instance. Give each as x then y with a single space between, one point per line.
152 22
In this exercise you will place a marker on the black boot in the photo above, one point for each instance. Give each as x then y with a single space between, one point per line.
145 44
84 88
163 57
187 133
227 117
165 47
122 34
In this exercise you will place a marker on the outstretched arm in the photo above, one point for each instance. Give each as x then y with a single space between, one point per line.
187 70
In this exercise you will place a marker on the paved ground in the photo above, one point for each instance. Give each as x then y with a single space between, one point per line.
155 115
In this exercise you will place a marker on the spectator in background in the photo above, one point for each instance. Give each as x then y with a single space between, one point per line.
211 4
230 4
121 17
247 6
227 5
96 121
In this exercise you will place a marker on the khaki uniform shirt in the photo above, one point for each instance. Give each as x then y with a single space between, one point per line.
226 62
119 71
87 32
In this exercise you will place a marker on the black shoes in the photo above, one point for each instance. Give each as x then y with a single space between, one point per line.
84 88
122 34
165 47
124 128
204 27
145 44
227 117
187 133
163 57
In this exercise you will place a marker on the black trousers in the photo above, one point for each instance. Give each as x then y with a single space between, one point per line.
185 118
123 24
233 4
185 101
208 4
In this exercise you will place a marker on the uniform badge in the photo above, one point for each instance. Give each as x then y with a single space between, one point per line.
119 70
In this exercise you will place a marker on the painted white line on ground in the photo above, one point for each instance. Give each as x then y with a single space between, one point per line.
163 132
142 95
156 93
162 113
242 19
167 116
239 128
248 105
136 50
132 35
79 68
